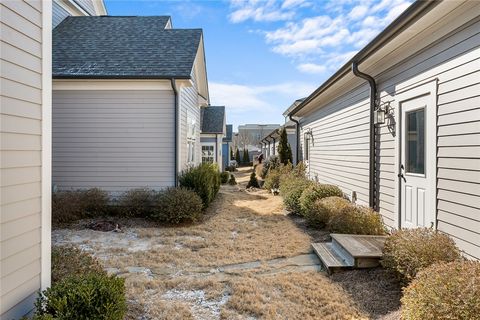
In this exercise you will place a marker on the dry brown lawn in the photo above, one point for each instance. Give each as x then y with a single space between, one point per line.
183 279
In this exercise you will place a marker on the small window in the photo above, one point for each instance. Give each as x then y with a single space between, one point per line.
307 149
191 151
415 142
208 154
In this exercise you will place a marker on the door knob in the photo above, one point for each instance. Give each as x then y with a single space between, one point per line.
400 175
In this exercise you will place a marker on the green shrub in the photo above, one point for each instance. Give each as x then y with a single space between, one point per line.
224 177
84 296
408 251
356 219
444 291
270 164
319 214
176 205
230 169
253 182
315 192
232 180
68 260
69 206
272 180
204 180
137 202
291 189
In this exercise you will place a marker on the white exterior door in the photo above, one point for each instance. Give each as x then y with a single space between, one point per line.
417 165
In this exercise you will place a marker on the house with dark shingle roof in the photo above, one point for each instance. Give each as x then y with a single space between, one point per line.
128 93
213 131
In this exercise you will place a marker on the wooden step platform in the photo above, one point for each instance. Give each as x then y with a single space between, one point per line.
350 251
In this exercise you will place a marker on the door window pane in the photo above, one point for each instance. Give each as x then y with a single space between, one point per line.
208 154
415 141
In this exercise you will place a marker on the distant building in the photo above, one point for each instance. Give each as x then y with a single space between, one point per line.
252 134
227 145
269 143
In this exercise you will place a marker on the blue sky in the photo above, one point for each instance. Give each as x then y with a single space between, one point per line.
262 55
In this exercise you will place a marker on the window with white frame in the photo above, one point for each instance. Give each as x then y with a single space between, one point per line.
307 148
191 136
208 153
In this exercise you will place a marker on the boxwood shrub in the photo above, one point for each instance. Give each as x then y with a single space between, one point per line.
176 205
315 192
291 189
69 206
355 219
444 291
272 180
224 177
319 214
82 297
204 180
408 251
137 202
68 260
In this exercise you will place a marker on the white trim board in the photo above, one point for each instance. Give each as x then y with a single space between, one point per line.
46 143
425 88
120 84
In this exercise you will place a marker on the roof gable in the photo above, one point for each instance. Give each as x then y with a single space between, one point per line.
123 47
212 119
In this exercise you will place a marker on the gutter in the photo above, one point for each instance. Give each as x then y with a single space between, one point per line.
297 136
176 149
373 133
407 18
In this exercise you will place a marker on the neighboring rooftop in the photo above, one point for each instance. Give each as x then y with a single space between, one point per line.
212 119
123 47
229 135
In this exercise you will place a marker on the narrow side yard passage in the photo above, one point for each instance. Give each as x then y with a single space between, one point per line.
246 260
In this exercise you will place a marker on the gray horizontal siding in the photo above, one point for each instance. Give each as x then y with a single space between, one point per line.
114 140
339 154
58 14
20 156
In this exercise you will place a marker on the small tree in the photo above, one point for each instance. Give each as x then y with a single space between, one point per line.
246 156
237 156
232 156
253 183
284 149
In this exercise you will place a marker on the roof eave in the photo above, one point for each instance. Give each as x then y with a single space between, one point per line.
132 77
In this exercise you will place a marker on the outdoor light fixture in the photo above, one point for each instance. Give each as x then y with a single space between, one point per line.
380 113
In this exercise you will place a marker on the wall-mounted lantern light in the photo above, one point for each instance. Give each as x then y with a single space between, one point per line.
380 113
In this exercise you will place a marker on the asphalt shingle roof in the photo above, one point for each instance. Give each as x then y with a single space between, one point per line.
229 134
212 119
123 47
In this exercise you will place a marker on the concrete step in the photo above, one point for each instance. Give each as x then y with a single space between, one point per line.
331 259
363 251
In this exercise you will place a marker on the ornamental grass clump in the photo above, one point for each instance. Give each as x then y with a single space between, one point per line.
444 291
355 219
408 251
319 214
84 297
316 192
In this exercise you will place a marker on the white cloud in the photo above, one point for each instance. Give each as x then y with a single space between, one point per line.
312 68
343 27
239 98
262 11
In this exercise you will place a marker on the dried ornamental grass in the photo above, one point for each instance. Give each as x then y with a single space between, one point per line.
444 291
408 251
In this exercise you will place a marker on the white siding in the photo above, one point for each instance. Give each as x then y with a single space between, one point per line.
20 163
58 14
339 153
114 140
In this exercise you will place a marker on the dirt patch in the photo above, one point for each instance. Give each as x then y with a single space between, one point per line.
246 260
